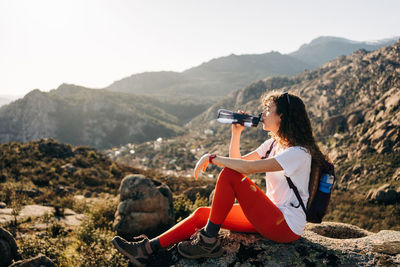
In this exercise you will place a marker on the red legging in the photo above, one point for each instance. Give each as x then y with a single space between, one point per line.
255 212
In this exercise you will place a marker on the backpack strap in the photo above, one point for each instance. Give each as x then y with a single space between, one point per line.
269 151
291 184
296 192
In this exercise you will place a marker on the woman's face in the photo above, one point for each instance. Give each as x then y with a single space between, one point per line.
270 119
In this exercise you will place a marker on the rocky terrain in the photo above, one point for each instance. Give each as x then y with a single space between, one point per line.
326 244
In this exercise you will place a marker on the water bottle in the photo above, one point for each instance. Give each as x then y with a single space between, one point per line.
227 116
326 183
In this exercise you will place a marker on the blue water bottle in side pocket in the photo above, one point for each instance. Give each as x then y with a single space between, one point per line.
326 183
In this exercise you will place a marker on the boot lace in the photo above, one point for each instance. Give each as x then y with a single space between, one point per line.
195 237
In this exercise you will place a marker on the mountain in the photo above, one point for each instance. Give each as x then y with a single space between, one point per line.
325 48
220 76
4 101
216 77
353 102
98 118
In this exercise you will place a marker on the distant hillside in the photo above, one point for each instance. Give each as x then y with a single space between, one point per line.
223 75
354 104
216 77
98 118
325 48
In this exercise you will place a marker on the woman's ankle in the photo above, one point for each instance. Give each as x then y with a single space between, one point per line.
154 245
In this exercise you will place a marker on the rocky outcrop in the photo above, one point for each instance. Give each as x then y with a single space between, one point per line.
145 207
69 217
38 261
8 248
384 194
326 244
334 124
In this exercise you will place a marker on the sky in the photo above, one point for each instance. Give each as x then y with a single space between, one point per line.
92 43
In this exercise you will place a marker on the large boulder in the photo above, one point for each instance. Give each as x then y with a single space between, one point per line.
38 261
145 207
326 244
8 248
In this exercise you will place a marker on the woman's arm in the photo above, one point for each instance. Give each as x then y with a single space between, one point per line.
248 166
234 147
239 165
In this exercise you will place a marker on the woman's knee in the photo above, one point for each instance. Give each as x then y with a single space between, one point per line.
228 173
200 215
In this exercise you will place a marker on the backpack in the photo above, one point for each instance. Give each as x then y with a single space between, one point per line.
320 191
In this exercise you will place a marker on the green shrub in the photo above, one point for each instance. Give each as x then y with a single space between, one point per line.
183 206
56 229
94 238
99 251
102 213
31 245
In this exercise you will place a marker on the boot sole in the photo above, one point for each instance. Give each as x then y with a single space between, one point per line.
131 258
213 255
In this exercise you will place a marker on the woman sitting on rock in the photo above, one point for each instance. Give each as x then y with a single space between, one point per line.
276 215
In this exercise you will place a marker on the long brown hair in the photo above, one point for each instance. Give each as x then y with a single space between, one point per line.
295 130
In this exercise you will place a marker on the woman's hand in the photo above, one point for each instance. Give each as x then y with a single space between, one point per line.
236 127
201 164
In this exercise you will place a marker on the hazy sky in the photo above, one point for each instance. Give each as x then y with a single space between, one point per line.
95 42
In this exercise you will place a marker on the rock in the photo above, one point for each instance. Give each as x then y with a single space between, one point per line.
87 194
390 248
69 167
3 205
357 169
354 119
396 175
393 102
29 192
38 261
145 207
203 191
384 194
62 190
334 124
326 244
70 217
8 248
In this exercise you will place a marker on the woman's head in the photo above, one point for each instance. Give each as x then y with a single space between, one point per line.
286 117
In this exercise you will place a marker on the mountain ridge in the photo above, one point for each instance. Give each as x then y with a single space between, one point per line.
232 72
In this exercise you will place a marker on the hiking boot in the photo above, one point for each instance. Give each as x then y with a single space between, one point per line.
137 252
197 248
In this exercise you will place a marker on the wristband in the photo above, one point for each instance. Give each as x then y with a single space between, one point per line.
211 157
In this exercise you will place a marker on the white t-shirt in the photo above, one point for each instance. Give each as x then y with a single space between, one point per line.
296 164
